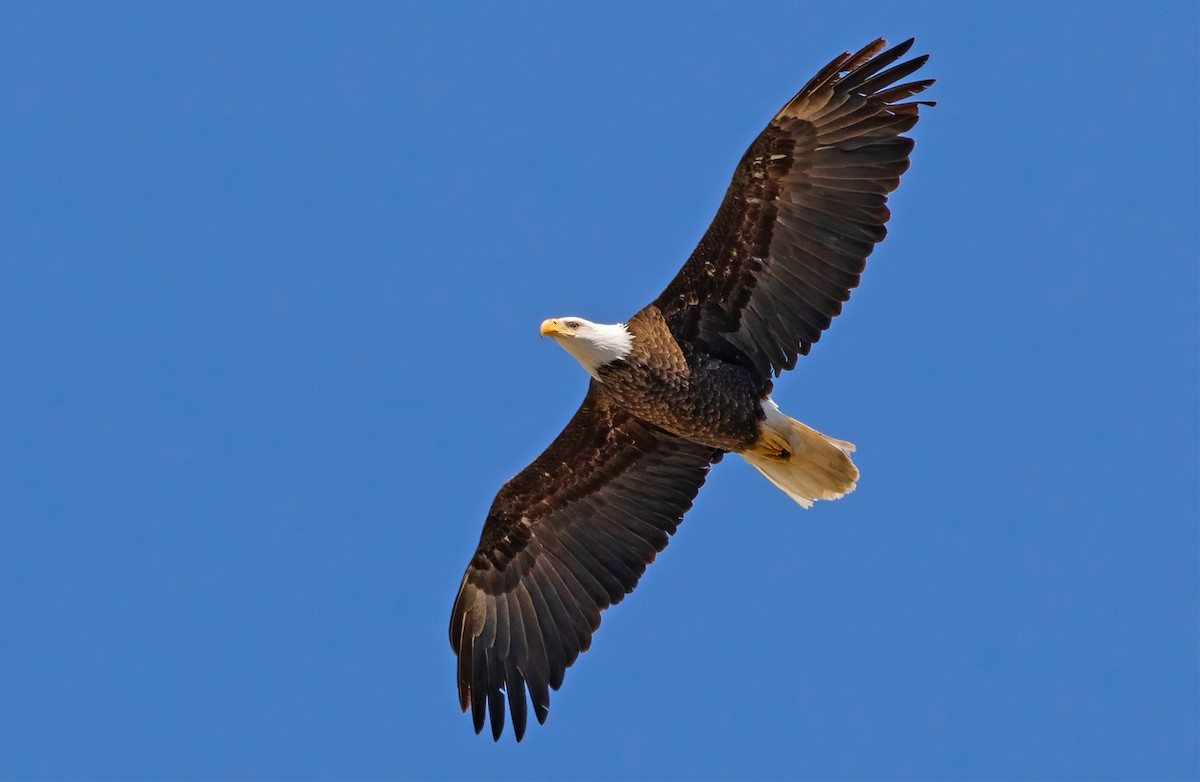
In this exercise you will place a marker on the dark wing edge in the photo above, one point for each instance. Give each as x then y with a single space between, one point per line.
806 206
567 537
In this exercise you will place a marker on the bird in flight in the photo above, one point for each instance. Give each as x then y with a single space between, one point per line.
686 380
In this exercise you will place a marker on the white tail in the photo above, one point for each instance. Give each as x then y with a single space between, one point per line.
801 461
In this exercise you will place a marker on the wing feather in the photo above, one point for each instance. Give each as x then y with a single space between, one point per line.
495 695
807 205
567 537
583 613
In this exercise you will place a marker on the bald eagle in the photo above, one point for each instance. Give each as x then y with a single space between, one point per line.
684 381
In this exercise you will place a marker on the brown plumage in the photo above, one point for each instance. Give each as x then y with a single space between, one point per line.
686 380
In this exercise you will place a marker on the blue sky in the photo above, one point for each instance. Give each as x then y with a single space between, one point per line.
270 282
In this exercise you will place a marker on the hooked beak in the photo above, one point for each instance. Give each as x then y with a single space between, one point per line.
554 328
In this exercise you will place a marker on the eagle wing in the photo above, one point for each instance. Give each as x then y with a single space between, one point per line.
564 539
807 205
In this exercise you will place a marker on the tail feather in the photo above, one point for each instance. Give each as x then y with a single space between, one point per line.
805 464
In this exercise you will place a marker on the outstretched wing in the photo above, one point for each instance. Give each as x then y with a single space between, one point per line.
807 205
567 537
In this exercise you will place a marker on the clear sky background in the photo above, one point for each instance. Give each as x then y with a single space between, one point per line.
270 282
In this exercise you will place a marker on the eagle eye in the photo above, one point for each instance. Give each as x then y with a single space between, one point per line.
572 324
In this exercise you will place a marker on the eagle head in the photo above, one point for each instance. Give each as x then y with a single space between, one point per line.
592 344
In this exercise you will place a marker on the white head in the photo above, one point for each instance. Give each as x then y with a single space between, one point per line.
593 344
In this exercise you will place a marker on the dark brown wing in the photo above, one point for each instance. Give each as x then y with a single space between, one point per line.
567 537
807 205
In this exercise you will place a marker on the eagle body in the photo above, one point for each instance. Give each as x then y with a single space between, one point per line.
684 390
685 380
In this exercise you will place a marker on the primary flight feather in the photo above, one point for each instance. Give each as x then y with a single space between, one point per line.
687 379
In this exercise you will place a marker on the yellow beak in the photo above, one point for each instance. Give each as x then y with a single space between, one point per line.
554 328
